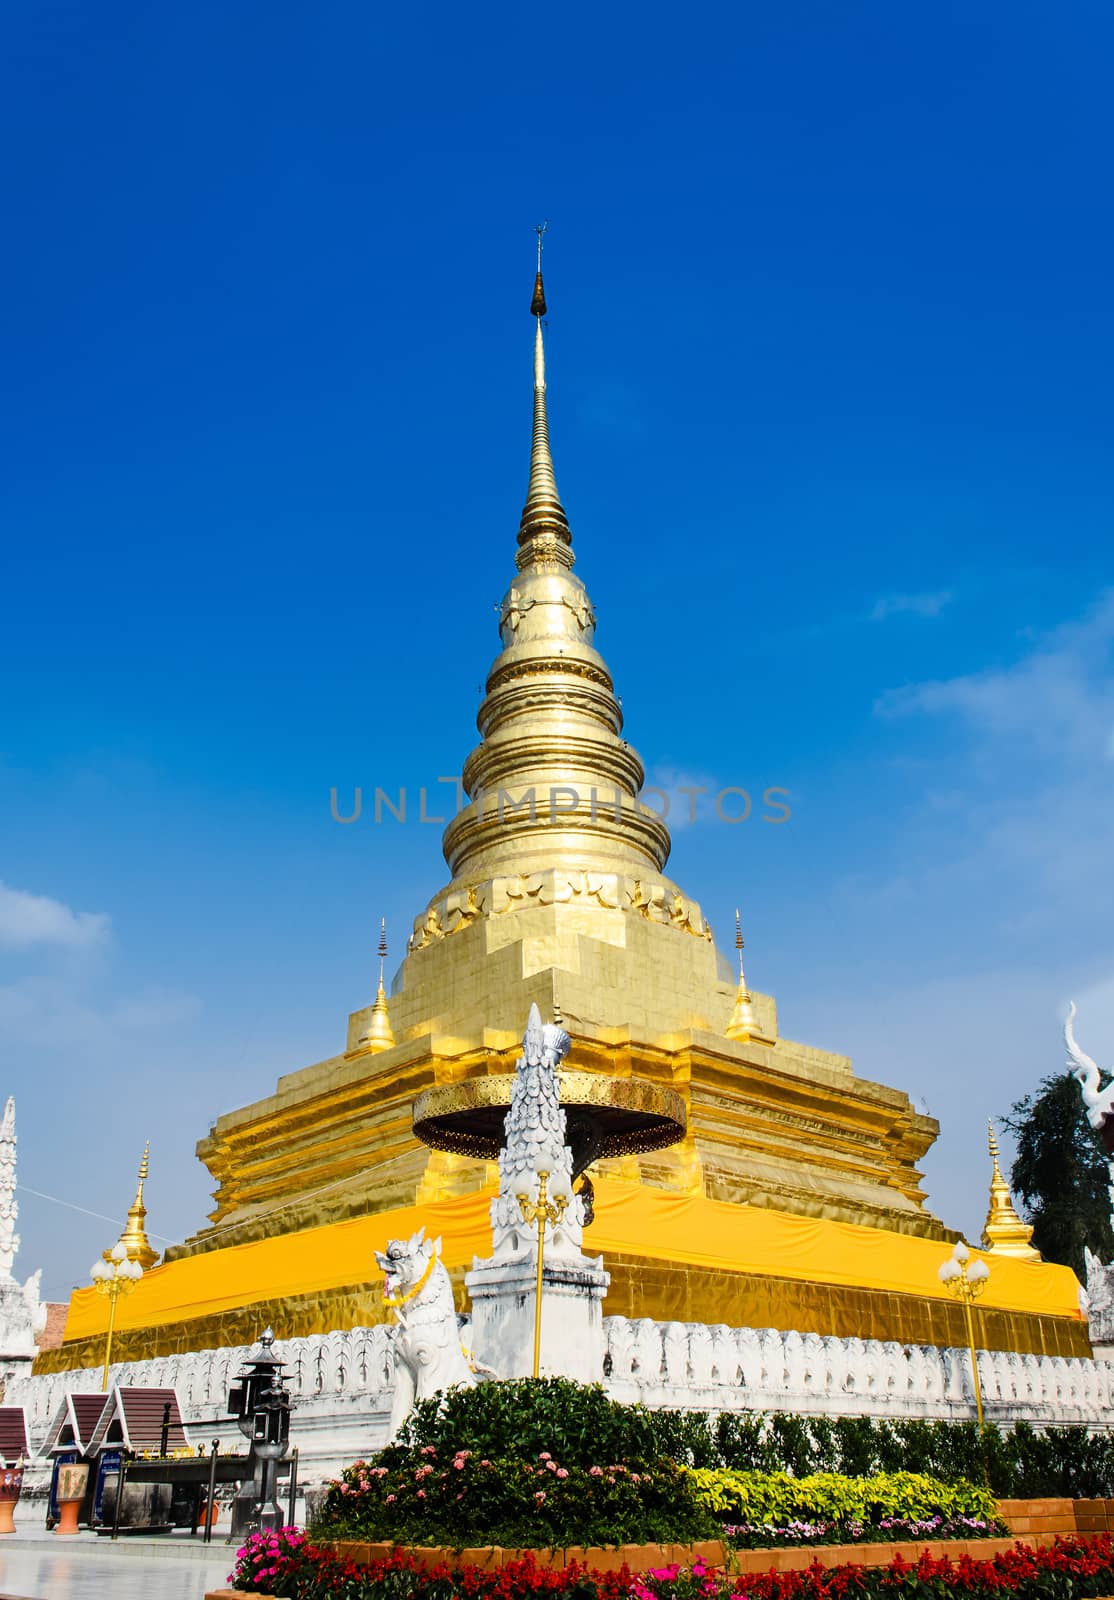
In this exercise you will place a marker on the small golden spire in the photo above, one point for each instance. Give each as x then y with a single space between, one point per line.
543 516
743 1024
1005 1234
134 1236
377 1035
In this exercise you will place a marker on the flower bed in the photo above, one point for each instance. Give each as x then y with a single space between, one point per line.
553 1464
887 1530
286 1565
771 1509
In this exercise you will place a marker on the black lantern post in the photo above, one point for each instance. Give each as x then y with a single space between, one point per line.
261 1405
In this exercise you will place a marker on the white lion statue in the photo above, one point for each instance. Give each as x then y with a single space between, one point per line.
428 1352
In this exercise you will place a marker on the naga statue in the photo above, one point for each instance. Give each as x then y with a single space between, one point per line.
1099 1101
427 1350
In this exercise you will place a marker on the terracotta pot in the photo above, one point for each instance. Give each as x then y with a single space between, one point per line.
67 1516
72 1482
11 1483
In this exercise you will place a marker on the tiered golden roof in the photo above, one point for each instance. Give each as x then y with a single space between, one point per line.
557 884
1005 1234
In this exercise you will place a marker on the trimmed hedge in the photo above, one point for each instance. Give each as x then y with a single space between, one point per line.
580 1425
1018 1463
776 1499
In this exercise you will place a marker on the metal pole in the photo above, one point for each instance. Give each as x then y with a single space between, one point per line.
120 1481
212 1491
967 1297
542 1213
113 1294
292 1500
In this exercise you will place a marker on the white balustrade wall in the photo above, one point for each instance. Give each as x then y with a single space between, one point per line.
342 1382
717 1368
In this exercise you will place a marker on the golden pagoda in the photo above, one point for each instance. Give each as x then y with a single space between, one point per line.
793 1200
377 1035
1005 1234
134 1235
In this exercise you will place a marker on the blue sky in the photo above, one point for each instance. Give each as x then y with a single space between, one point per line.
830 341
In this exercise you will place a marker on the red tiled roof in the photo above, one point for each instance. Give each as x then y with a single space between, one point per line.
140 1413
77 1416
13 1433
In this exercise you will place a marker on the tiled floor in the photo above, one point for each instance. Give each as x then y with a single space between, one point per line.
77 1574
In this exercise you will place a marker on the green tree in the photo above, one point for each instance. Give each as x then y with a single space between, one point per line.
1061 1174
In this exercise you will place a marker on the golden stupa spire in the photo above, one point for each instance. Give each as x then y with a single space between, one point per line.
134 1236
377 1035
553 785
1005 1234
743 1024
543 516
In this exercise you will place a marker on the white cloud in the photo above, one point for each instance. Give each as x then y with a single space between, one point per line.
58 1012
929 604
33 919
1058 697
689 796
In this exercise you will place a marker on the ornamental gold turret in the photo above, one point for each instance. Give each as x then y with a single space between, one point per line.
134 1236
1005 1234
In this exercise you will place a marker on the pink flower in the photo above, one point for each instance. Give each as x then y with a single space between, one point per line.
540 1497
390 1499
562 1472
551 1464
485 1462
545 1456
595 1472
421 1494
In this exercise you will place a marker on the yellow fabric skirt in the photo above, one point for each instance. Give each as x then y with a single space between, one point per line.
632 1220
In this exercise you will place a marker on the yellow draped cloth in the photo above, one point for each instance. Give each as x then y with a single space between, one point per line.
631 1220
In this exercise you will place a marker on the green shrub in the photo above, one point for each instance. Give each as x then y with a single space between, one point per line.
776 1499
462 1499
577 1423
1021 1462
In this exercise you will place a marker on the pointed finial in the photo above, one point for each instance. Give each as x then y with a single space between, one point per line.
558 1016
743 1024
378 1034
1005 1234
134 1237
537 304
543 532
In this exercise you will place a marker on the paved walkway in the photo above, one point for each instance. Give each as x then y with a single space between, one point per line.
86 1570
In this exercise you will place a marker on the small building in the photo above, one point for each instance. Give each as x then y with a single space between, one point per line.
67 1442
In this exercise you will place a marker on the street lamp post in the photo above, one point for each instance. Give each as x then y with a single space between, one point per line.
546 1209
113 1277
967 1279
